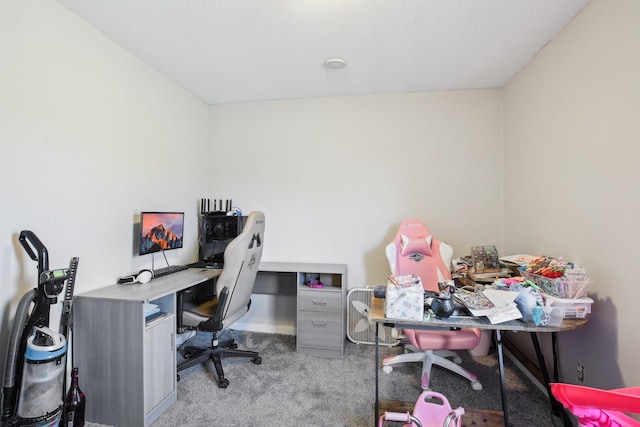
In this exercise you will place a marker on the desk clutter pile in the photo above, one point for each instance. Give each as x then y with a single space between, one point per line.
538 290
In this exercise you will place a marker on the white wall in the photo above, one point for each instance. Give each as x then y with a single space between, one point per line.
336 176
572 143
95 136
89 137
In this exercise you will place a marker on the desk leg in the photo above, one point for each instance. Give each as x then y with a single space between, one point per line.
556 408
179 308
503 387
375 366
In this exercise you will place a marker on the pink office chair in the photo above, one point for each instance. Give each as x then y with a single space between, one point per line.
599 408
415 251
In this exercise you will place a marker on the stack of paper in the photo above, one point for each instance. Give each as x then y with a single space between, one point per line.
150 309
519 259
498 306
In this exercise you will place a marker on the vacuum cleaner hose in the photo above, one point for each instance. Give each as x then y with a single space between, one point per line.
9 387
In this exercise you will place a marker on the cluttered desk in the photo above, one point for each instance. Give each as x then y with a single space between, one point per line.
435 323
439 316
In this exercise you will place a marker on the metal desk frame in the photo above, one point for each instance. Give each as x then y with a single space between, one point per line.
485 324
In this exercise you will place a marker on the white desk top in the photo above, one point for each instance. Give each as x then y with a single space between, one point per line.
156 288
162 286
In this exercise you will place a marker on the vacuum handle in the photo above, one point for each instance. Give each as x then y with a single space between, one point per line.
29 241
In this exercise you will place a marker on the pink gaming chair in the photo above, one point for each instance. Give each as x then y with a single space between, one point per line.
599 408
415 251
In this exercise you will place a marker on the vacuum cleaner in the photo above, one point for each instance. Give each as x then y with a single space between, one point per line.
34 379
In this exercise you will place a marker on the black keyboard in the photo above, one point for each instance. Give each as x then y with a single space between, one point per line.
168 270
205 264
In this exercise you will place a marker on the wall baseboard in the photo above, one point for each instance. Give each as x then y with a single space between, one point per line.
269 329
536 382
531 371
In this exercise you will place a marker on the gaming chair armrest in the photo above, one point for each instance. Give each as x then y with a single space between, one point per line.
218 316
215 322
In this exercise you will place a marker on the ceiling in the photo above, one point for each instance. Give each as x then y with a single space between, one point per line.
227 51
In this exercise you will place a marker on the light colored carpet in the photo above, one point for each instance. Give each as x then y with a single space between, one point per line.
290 389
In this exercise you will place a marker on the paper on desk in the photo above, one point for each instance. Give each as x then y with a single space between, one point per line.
150 309
498 306
519 259
505 307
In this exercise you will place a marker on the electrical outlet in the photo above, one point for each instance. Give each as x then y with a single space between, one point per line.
580 372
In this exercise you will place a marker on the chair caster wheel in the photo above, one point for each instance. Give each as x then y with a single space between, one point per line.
177 377
457 360
476 385
233 346
257 361
223 383
387 369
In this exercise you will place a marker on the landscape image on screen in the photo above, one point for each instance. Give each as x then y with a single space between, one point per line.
160 231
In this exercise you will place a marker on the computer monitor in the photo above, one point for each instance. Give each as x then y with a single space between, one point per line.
160 231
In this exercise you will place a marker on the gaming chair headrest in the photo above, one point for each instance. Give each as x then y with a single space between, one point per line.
414 237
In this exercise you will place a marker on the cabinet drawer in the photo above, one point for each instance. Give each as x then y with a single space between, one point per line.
317 300
319 329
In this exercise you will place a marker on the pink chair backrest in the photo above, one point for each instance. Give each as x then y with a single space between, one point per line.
418 252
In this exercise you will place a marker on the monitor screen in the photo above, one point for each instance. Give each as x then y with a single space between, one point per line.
160 231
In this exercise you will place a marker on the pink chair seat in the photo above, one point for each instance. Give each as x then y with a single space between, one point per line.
451 340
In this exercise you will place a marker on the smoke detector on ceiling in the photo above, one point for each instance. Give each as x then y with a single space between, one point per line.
334 64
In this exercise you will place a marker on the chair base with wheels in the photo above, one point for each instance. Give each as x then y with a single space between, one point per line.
446 359
216 352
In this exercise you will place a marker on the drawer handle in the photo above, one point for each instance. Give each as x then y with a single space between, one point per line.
319 323
318 302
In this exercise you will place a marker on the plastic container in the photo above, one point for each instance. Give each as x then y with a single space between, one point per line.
43 375
482 349
561 287
404 298
574 308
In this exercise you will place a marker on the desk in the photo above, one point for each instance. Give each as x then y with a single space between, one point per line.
127 367
481 323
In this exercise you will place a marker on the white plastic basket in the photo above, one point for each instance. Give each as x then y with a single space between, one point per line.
574 308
